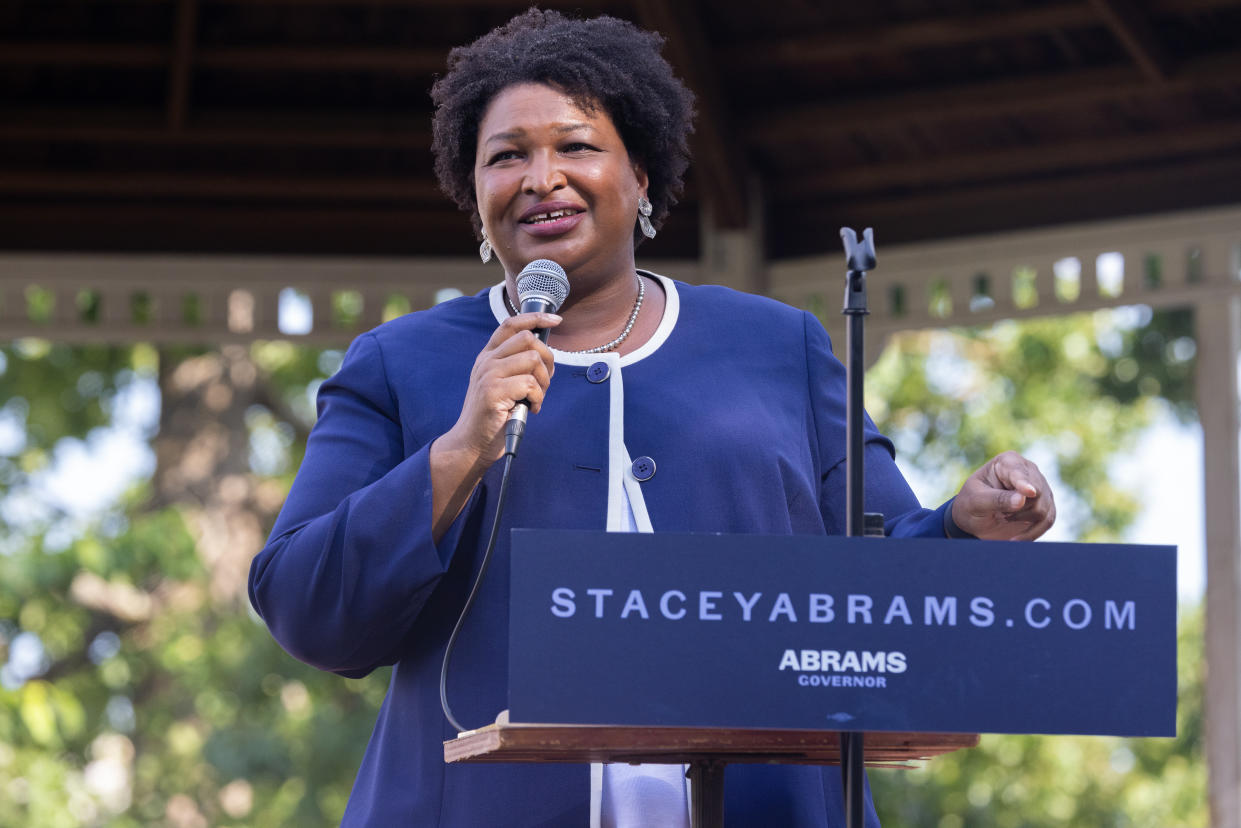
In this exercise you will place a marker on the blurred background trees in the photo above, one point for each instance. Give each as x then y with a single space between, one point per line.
137 687
1076 393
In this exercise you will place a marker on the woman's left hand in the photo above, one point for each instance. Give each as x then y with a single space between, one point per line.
1007 499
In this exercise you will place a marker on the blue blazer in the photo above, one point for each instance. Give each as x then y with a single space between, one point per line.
738 401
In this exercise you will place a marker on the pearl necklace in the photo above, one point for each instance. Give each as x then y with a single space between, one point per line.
633 317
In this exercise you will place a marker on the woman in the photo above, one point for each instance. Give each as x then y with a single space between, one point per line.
564 140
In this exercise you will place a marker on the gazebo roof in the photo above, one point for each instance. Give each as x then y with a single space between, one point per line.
303 127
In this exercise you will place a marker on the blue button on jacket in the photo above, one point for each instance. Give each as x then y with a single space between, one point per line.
737 398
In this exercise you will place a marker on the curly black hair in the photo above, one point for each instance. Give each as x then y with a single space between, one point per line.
599 62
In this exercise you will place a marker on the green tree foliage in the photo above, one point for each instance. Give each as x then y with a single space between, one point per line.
147 694
50 393
162 707
1074 393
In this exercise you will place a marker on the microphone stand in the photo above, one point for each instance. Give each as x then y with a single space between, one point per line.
860 258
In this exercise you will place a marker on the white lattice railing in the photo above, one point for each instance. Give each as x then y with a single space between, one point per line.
1162 260
214 299
218 299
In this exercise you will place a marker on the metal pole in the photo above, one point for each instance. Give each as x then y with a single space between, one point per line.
861 258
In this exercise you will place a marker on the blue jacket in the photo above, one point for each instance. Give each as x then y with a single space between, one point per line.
738 401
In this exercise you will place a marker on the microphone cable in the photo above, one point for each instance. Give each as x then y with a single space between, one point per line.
544 285
469 602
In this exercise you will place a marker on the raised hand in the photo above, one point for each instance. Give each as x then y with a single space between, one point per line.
1007 499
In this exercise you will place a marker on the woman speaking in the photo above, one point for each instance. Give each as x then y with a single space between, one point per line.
655 406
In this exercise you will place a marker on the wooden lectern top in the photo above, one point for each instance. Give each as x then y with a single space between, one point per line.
510 742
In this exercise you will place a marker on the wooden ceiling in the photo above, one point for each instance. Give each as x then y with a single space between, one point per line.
302 126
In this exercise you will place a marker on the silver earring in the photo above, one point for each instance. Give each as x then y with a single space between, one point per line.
484 249
644 217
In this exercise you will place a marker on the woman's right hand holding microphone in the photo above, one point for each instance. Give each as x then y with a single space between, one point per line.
513 366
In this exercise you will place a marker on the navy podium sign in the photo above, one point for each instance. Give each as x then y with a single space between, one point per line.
832 633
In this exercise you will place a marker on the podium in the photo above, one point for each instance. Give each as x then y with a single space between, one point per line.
718 649
707 751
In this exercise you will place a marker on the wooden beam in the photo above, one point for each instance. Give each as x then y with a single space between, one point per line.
432 219
1060 187
1135 33
182 63
1190 6
943 31
571 5
1171 6
1016 161
224 185
305 229
995 207
357 136
405 60
985 99
721 168
408 60
350 127
925 33
137 56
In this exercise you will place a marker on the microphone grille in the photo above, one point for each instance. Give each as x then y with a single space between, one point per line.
543 279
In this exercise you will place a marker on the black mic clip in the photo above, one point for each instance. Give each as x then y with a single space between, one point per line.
860 257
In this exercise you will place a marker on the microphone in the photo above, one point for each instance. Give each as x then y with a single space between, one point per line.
542 287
